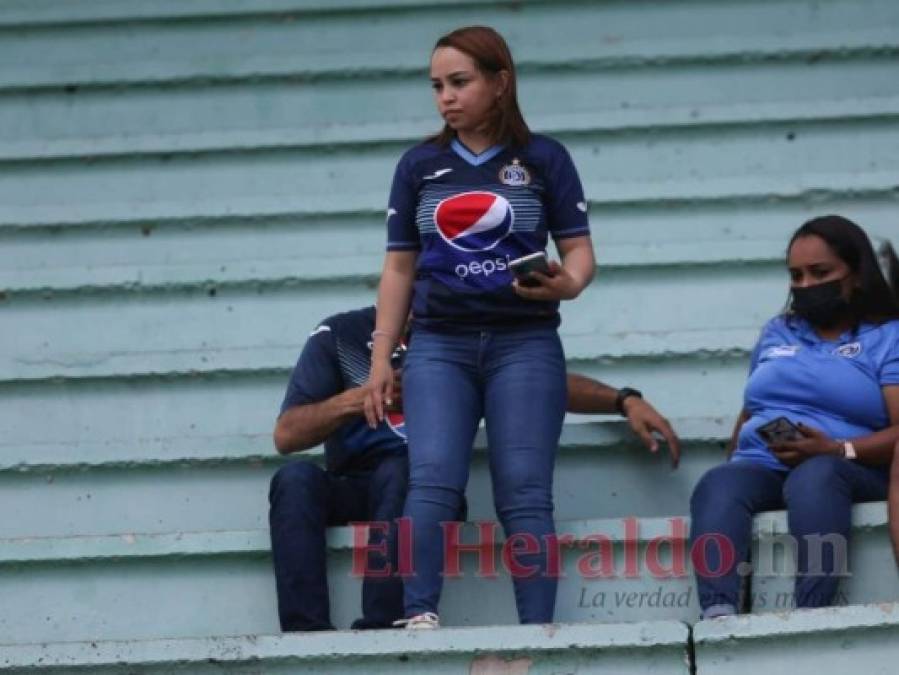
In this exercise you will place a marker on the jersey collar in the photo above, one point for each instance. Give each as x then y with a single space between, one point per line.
806 331
472 158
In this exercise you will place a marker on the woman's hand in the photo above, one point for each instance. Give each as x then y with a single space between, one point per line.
379 391
558 284
793 453
395 404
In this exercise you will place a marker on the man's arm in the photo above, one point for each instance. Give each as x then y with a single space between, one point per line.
586 395
301 427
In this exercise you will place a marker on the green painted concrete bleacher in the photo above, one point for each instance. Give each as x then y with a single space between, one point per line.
188 187
860 638
657 646
219 582
615 478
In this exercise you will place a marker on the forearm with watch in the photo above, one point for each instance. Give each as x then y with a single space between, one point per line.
588 396
876 448
626 394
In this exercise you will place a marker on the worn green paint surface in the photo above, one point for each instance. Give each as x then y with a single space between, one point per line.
642 648
186 188
93 587
830 640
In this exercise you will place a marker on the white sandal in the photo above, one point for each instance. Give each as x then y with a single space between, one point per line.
426 621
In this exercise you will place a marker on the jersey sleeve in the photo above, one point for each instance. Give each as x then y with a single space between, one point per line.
566 206
402 234
768 330
889 371
316 375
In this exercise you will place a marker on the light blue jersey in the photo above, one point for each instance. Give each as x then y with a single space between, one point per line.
830 385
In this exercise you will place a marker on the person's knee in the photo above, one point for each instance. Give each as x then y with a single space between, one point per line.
436 483
813 480
712 493
388 488
391 476
297 479
521 492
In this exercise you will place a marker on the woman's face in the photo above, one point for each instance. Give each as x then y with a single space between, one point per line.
464 96
811 262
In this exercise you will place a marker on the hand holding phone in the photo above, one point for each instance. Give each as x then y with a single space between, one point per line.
524 266
779 430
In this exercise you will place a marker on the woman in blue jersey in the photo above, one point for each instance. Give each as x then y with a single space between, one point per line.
830 366
464 203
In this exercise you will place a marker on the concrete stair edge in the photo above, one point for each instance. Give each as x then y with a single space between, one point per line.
256 542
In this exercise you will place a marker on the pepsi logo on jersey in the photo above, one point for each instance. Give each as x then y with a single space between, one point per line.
474 221
396 421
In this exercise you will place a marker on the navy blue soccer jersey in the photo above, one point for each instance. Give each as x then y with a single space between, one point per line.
337 357
468 215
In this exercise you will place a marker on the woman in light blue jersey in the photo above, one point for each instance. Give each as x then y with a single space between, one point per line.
819 422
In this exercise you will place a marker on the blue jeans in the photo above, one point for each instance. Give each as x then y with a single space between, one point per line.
515 380
305 500
818 496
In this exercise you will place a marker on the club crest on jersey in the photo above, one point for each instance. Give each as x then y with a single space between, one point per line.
514 174
849 351
474 221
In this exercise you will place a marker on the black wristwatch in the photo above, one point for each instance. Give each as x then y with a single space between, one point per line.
623 393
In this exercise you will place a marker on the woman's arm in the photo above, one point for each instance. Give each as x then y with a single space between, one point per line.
735 434
565 281
877 448
894 502
394 295
874 449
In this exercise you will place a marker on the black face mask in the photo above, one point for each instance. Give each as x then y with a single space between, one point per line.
822 304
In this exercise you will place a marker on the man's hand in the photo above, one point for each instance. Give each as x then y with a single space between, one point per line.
793 453
644 420
304 426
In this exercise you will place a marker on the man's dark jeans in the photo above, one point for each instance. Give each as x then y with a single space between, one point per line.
305 500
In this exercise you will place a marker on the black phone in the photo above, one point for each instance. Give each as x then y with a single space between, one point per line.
522 267
779 430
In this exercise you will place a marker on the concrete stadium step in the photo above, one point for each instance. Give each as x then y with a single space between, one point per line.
23 13
169 418
293 249
651 646
247 329
726 161
221 583
855 639
255 115
124 419
599 472
314 44
870 568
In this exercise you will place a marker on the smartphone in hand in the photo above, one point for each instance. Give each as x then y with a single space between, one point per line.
522 268
779 430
